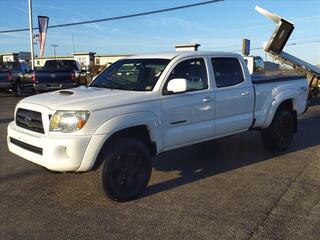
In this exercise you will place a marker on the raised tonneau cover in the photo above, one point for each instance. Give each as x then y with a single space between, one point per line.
278 41
275 47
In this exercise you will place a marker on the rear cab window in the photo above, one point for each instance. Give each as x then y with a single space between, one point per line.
227 71
60 65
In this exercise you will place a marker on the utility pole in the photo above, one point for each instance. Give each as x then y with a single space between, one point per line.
54 49
31 34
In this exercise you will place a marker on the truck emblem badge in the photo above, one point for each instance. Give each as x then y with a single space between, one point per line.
53 75
27 119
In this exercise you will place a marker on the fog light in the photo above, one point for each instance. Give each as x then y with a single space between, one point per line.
67 151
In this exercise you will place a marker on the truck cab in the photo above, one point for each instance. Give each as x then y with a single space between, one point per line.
15 76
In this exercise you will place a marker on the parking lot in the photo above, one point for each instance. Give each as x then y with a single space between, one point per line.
231 188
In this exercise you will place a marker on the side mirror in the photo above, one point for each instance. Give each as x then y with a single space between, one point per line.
177 85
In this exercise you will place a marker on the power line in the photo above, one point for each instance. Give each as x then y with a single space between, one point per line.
118 17
289 44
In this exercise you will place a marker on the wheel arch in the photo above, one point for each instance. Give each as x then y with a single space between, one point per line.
288 103
143 126
140 132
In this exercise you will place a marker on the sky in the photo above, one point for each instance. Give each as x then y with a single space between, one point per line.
218 27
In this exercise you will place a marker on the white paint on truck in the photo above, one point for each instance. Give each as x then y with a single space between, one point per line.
207 114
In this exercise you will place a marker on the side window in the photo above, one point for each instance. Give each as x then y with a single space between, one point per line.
194 70
227 71
23 68
27 68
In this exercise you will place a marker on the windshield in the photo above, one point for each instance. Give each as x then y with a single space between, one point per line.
131 74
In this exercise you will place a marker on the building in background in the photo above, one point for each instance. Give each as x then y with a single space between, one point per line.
10 57
25 56
187 47
87 60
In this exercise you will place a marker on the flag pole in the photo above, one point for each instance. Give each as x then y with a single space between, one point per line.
31 34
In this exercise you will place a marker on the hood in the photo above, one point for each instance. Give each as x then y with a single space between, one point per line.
91 98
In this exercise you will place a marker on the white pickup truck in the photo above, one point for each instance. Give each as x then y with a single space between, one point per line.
144 105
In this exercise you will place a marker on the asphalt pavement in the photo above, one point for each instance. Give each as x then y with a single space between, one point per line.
231 188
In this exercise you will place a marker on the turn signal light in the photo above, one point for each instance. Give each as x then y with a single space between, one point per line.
33 77
72 77
81 123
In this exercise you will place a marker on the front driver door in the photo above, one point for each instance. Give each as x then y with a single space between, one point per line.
188 116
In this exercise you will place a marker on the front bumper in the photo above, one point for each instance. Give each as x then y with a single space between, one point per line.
57 153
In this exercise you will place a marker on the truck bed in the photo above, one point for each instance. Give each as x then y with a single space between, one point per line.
269 87
273 77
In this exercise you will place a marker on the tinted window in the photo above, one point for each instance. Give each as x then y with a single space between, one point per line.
60 65
3 67
24 68
12 66
227 71
258 64
194 71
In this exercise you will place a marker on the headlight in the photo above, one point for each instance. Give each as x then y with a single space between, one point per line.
68 121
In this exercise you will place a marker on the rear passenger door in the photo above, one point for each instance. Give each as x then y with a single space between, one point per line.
234 96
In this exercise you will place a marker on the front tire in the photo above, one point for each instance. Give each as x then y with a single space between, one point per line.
278 136
17 89
126 169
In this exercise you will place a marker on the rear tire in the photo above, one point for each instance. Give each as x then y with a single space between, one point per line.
125 170
278 136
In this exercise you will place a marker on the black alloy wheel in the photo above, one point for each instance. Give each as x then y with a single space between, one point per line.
278 136
126 169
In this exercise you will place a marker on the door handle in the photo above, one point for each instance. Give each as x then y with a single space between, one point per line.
245 93
207 99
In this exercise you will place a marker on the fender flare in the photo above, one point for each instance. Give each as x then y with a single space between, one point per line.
116 124
277 101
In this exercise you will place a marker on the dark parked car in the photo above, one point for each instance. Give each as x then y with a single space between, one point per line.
14 76
57 74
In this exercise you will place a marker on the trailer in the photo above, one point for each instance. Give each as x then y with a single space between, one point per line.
277 42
